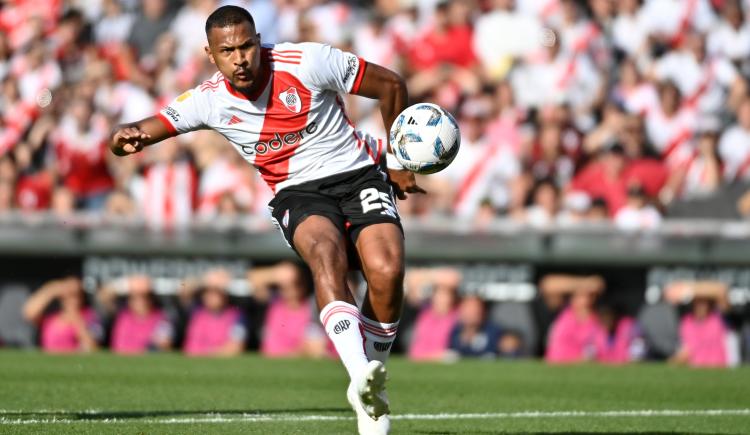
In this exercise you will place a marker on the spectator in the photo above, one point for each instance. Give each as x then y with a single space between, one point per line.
115 24
435 321
549 157
609 176
140 326
153 20
61 87
624 342
559 77
703 334
447 41
669 124
734 145
63 203
168 190
510 344
504 34
66 322
473 336
700 173
289 317
216 328
730 38
482 170
81 151
576 334
543 206
629 32
637 214
192 16
667 21
702 80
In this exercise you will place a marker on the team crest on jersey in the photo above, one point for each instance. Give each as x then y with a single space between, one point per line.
291 100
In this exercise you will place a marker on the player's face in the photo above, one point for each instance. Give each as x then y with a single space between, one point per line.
235 50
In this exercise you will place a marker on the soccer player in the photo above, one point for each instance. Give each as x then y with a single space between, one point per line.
280 107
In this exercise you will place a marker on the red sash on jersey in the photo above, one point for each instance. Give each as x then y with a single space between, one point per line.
548 9
676 141
476 170
708 78
579 46
744 167
685 23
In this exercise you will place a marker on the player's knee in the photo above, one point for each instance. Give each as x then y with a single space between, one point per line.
386 272
326 253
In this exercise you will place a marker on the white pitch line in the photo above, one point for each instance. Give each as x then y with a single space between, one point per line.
210 418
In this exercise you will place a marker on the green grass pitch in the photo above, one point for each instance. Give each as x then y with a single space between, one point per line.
171 394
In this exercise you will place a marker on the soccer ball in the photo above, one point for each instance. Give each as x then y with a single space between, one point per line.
425 138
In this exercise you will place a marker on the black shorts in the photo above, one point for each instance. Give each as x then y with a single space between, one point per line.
351 200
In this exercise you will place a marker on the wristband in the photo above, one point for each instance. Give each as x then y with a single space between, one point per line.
392 163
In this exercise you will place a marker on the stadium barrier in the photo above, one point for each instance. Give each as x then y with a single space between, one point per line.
500 261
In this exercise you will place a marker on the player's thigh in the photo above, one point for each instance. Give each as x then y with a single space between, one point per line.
290 209
319 240
381 252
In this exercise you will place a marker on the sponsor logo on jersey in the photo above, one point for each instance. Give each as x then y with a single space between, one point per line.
342 326
351 67
169 111
184 96
285 219
291 100
234 120
381 347
279 140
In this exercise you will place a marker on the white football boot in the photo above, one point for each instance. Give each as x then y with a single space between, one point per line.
367 397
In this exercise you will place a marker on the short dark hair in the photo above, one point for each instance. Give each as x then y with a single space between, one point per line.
228 16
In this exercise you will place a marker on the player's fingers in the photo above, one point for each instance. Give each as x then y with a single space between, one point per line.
125 134
400 194
131 133
415 189
129 148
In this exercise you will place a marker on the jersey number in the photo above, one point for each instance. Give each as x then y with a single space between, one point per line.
372 199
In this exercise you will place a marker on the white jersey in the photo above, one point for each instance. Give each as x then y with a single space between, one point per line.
294 129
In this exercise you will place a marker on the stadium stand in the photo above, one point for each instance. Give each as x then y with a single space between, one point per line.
576 115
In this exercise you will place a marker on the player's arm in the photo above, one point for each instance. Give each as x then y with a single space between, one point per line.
131 138
389 89
684 291
559 284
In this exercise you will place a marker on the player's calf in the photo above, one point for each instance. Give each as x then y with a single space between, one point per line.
342 325
379 338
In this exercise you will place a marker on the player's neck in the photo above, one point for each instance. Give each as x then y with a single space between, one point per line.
254 91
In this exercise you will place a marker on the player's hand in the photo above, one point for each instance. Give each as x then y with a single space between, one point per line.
128 140
403 182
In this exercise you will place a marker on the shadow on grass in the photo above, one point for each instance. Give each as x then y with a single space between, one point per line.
440 432
124 415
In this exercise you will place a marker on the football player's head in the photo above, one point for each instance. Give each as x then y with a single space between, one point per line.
234 47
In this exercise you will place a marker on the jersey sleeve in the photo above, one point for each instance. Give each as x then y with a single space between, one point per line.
328 68
185 113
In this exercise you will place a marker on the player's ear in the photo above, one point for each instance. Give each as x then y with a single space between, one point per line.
210 56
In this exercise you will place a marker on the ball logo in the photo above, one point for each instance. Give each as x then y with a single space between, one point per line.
291 100
341 326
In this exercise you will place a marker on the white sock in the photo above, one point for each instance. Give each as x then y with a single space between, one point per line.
379 338
341 322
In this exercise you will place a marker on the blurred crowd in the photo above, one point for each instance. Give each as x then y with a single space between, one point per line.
570 320
572 111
